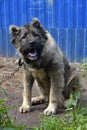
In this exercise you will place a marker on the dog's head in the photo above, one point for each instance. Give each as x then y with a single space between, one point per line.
29 40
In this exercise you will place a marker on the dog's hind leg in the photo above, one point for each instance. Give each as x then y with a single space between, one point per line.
43 96
73 84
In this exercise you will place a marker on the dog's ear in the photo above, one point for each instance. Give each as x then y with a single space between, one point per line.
36 23
14 29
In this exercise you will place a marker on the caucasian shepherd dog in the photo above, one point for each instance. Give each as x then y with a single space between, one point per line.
44 63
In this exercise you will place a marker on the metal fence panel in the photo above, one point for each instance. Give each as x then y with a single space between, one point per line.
65 19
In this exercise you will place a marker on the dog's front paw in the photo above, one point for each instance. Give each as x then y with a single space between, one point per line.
50 110
24 108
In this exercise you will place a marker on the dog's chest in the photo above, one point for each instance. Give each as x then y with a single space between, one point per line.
39 74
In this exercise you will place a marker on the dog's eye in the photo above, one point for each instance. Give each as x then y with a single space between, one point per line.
23 37
35 34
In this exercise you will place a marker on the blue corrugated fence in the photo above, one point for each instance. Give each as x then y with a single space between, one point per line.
65 19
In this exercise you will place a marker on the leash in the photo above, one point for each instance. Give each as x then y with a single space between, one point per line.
20 64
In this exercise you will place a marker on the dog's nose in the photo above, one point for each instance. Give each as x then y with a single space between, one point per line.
31 42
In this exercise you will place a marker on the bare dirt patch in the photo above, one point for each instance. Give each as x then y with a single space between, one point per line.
11 79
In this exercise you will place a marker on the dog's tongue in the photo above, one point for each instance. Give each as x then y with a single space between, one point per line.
32 54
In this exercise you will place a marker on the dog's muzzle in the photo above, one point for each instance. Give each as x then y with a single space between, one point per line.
31 50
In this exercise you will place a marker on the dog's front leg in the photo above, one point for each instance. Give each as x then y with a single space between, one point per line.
55 98
28 83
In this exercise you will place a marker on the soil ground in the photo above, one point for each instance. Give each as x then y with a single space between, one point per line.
11 80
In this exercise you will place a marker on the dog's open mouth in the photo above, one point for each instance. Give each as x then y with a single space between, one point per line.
32 55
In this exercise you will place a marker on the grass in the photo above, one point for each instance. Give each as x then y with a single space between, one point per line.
6 123
83 69
63 123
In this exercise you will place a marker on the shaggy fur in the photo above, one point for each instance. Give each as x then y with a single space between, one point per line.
44 63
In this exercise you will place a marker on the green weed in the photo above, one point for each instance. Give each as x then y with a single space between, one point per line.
75 117
6 122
